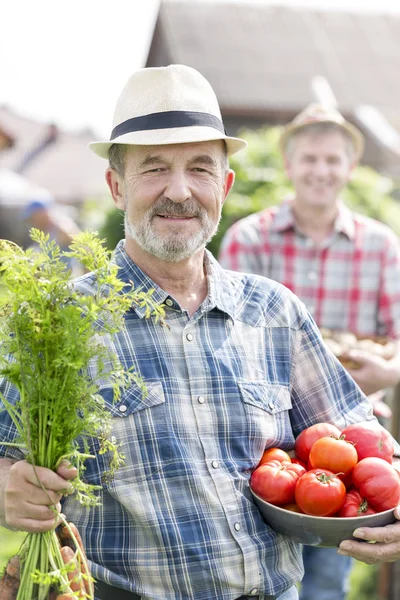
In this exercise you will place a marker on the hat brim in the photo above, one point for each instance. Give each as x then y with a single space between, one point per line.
159 137
356 135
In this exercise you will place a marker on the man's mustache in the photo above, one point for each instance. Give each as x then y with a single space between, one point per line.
182 209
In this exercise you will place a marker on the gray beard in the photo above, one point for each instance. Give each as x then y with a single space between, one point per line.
176 246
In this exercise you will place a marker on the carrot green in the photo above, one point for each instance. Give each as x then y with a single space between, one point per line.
50 335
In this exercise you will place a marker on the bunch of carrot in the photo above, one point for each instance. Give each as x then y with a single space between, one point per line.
50 334
74 558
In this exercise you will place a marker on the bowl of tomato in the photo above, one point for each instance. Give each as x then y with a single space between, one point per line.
336 482
314 530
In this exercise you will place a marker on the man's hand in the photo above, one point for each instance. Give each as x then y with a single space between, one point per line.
385 549
29 507
375 372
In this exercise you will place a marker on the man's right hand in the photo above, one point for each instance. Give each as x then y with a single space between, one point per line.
28 506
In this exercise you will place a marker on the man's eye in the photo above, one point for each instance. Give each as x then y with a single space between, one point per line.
155 170
199 170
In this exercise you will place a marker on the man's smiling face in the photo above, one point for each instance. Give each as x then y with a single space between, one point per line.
173 196
319 167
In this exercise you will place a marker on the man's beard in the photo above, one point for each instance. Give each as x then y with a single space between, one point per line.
175 246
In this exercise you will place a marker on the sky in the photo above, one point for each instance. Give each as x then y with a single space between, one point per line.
66 62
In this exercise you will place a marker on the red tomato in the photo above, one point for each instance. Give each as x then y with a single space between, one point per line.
297 461
334 454
274 454
307 437
370 439
275 481
378 482
319 492
355 505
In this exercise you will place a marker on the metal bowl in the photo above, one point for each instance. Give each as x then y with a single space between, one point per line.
318 531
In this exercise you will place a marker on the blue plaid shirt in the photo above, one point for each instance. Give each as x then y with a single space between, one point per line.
247 371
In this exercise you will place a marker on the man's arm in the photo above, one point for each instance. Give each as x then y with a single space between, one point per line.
30 496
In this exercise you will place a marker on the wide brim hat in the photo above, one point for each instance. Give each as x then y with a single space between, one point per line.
318 113
167 105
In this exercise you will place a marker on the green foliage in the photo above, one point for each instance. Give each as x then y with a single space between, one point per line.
363 582
10 541
112 229
50 333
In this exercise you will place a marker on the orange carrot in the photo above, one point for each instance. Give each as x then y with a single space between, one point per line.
8 587
77 583
66 540
13 567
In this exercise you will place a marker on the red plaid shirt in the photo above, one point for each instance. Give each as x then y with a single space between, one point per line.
350 282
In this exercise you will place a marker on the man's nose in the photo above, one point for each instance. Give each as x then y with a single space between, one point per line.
321 168
177 188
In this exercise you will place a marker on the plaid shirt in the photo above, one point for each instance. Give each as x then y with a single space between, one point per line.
247 371
350 282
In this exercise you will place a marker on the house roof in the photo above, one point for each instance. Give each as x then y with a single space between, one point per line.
263 58
51 158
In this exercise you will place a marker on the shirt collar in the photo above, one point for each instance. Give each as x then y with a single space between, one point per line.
220 295
344 223
131 274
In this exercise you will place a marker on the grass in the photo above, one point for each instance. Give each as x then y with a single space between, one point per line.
10 542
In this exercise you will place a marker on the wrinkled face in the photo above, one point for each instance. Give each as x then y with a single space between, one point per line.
319 166
172 196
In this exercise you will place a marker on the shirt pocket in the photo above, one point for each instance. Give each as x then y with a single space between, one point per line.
267 407
140 426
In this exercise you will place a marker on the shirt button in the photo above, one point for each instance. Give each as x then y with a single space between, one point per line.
253 592
237 526
312 276
214 465
169 302
189 337
201 399
123 408
271 405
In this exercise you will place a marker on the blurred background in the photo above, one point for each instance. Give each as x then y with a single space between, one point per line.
62 68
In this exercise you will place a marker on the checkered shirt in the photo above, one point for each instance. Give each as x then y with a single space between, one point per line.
247 371
350 282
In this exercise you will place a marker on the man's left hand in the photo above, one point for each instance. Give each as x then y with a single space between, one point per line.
386 546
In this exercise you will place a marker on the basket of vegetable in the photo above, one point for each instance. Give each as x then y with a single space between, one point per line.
49 335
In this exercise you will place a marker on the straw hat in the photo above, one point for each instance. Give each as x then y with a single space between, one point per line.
167 105
318 113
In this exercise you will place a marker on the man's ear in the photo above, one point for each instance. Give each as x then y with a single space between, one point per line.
286 166
352 167
229 181
116 184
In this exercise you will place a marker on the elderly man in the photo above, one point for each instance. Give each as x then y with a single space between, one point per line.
343 266
230 375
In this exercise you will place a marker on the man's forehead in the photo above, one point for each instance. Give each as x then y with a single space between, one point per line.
212 148
311 139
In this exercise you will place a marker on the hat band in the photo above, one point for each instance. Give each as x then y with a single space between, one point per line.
168 120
